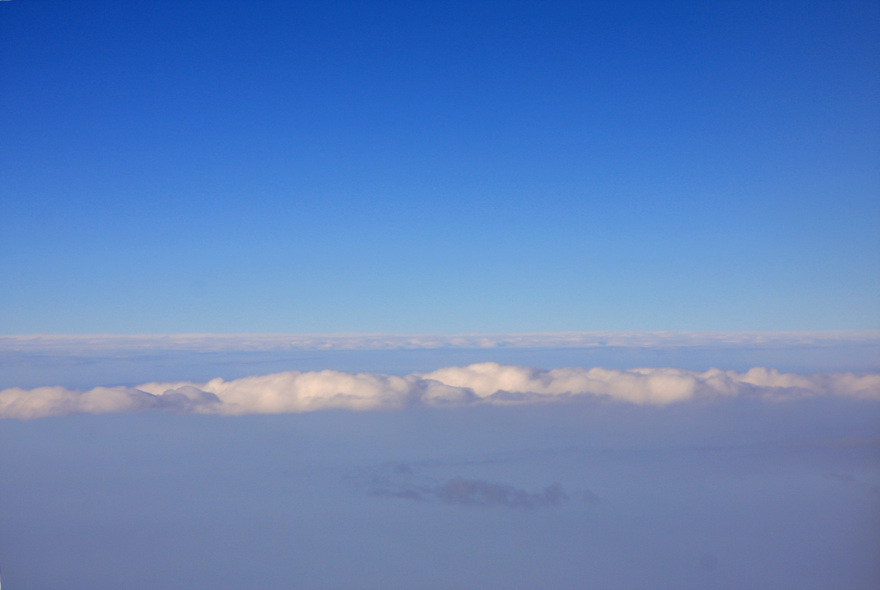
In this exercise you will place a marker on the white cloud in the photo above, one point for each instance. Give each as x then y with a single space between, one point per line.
40 402
267 342
483 383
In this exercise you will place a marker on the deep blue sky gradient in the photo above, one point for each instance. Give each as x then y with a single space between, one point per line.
438 167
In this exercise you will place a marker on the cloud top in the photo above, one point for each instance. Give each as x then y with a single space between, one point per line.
482 383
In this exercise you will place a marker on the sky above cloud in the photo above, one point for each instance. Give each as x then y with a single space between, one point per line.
317 167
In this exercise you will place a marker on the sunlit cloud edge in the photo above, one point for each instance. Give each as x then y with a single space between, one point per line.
476 384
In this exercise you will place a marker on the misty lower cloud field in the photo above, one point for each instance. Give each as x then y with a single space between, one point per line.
428 469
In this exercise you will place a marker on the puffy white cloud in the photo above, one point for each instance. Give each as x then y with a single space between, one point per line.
56 401
482 383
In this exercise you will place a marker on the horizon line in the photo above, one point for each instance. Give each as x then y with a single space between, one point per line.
243 341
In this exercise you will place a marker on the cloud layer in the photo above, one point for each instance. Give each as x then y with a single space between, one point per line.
482 383
266 342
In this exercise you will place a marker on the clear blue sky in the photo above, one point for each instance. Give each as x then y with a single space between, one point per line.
438 167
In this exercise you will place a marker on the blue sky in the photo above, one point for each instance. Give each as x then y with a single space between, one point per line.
438 167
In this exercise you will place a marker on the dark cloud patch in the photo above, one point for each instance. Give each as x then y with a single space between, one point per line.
475 492
587 496
406 481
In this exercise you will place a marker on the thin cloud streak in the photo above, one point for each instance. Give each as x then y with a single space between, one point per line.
482 383
278 342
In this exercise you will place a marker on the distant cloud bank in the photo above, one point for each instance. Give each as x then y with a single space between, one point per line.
483 383
267 342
